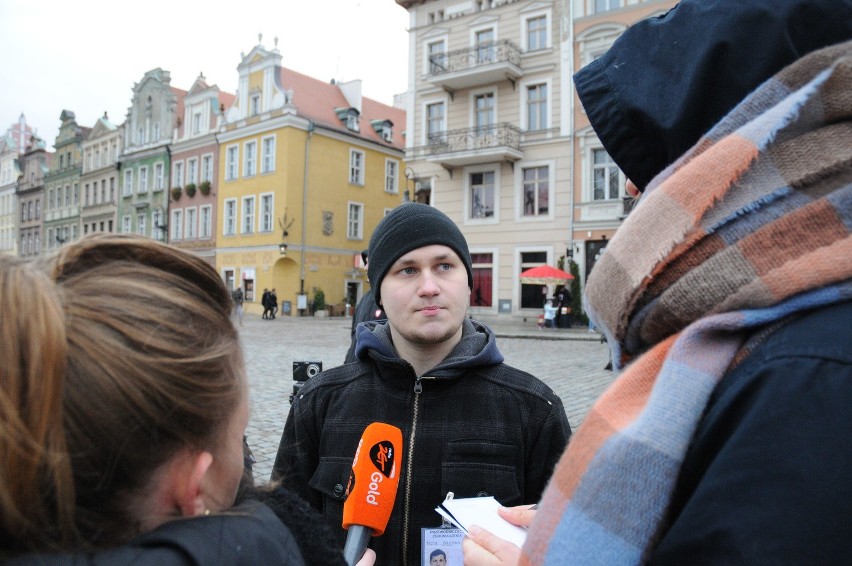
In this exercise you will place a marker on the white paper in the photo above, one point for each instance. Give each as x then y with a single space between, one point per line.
481 511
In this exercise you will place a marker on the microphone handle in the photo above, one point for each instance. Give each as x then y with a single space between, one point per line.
356 543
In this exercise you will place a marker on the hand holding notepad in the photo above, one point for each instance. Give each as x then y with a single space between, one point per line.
481 511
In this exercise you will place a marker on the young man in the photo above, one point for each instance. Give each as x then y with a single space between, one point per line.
471 425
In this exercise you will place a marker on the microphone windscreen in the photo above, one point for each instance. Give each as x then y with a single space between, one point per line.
374 479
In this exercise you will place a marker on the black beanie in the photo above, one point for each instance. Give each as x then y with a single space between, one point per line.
408 227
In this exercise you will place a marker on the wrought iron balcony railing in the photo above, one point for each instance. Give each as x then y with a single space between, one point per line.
470 58
497 136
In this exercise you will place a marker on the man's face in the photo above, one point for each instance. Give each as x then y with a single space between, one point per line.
425 296
439 560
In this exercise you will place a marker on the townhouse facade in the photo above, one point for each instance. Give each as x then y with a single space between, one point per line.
308 168
144 164
35 164
194 174
12 145
600 201
494 140
99 177
62 184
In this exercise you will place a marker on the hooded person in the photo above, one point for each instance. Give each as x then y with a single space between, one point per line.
471 424
725 296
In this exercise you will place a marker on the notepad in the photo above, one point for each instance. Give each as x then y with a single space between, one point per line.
481 511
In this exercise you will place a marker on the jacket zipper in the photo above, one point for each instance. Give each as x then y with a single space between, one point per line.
418 389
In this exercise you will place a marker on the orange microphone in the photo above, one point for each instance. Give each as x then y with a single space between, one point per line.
372 487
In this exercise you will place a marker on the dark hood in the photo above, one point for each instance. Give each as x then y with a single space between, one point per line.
477 347
667 80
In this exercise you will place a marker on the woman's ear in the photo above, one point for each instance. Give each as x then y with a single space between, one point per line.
188 472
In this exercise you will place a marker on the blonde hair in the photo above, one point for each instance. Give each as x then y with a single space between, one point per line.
117 352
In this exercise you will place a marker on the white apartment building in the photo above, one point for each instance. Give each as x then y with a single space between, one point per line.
495 137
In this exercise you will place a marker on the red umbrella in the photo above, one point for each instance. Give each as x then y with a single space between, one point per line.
545 275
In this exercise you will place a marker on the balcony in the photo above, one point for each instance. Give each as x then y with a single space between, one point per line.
484 64
467 146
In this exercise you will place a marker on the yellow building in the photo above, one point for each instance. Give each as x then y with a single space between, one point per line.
307 169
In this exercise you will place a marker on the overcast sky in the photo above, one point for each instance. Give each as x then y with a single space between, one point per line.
85 56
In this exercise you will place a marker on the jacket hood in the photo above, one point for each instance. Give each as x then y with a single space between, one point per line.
477 347
667 80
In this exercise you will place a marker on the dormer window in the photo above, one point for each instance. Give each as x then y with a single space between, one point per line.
384 128
255 104
352 120
350 117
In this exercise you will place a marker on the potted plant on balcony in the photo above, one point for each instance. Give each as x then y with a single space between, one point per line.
190 190
204 187
319 304
176 191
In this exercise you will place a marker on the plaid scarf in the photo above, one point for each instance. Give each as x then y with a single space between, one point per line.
750 226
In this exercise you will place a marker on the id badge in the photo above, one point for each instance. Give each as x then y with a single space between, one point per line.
441 547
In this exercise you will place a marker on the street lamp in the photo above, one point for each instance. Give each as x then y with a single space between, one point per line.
409 176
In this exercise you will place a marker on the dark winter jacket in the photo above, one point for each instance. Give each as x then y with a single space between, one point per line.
472 425
270 528
773 443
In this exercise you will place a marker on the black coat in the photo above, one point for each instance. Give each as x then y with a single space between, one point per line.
271 528
773 444
472 425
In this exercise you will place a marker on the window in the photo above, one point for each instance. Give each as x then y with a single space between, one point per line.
255 104
605 176
606 5
482 267
437 57
140 136
248 215
88 195
231 163
177 179
191 223
196 123
391 176
537 107
484 46
49 203
352 120
536 33
76 194
206 221
177 224
482 194
229 223
37 209
143 180
128 182
536 191
158 177
355 224
192 171
532 295
268 157
356 167
484 112
156 224
125 224
266 212
67 195
156 132
434 121
250 159
207 168
140 224
112 189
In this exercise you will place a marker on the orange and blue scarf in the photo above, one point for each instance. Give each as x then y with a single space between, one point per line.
749 227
